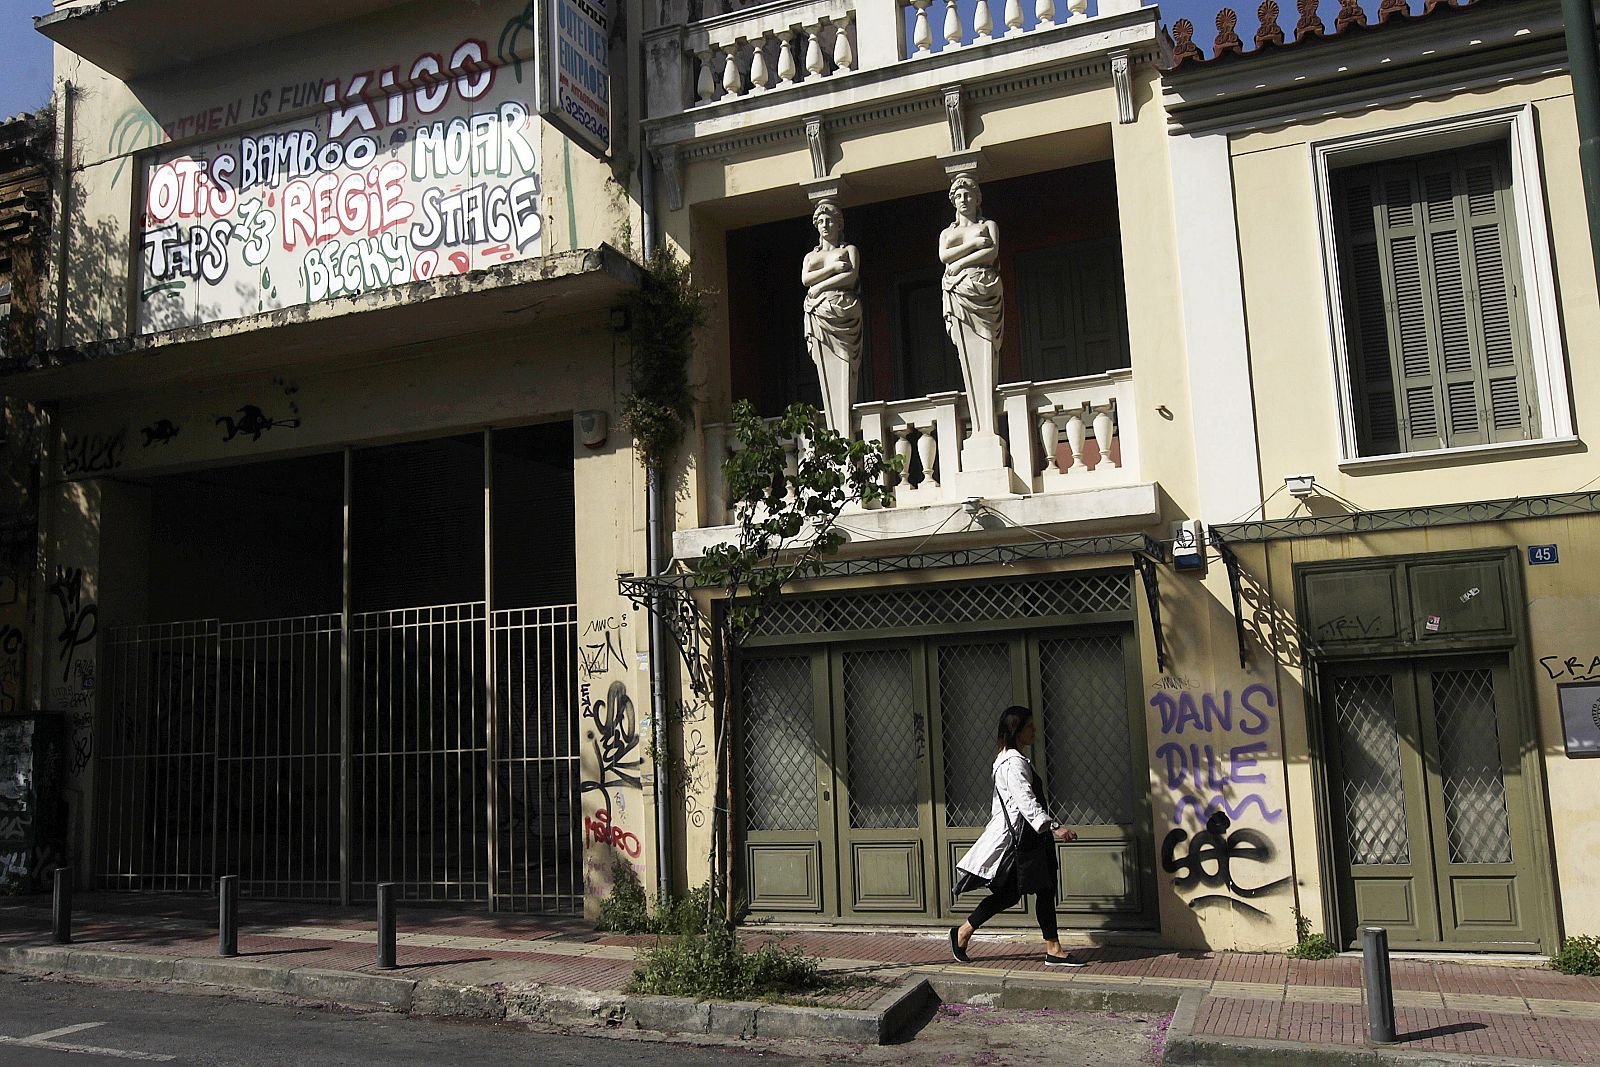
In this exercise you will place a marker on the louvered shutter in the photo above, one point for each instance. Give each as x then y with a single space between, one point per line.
1074 315
1432 303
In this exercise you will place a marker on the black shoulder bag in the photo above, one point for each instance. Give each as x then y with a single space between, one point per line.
969 882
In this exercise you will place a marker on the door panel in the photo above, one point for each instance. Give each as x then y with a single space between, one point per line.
885 795
1384 812
788 820
1474 785
1434 818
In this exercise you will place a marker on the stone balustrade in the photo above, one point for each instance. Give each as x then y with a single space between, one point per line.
961 25
771 46
1061 436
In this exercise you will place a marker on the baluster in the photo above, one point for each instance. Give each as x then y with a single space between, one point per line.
1077 9
786 67
952 23
1075 441
922 35
1102 437
814 62
982 23
928 454
1049 439
706 85
760 77
844 56
902 449
1044 13
1013 17
732 84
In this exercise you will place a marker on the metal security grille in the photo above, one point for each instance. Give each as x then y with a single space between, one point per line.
1085 712
974 685
780 770
278 739
958 602
883 736
540 856
420 752
156 757
1475 816
1369 749
222 749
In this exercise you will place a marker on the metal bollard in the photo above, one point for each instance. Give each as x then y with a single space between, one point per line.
386 925
61 911
1380 988
228 916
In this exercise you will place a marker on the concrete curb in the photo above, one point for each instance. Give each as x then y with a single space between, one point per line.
1186 1049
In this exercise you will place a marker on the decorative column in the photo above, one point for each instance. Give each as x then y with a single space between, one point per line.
833 320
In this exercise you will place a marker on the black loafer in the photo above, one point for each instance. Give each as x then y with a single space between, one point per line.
955 946
1062 961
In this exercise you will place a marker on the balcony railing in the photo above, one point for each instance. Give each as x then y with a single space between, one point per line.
1061 436
755 49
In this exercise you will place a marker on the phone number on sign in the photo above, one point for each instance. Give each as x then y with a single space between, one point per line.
585 119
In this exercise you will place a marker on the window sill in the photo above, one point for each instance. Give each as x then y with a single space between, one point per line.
1450 457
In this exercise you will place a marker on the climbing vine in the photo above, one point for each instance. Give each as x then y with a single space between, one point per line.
665 312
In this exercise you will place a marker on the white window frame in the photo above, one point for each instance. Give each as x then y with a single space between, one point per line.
1515 125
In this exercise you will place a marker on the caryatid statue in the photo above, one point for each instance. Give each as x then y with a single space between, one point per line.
974 312
830 274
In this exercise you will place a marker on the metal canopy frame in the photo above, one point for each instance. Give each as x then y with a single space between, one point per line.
671 595
1522 507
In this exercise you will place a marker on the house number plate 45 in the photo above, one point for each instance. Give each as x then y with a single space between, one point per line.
1542 554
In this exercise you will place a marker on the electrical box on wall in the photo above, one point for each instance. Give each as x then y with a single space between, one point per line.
1189 545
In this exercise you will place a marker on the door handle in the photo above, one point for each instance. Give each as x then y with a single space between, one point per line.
826 796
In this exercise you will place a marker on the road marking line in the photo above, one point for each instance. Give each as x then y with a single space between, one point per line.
85 1050
63 1032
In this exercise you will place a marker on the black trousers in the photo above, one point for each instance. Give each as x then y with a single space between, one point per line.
1006 896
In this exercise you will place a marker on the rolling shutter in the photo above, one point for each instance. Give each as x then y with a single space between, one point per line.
1438 350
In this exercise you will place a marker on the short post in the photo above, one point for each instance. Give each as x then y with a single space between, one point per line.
1380 988
228 916
386 925
61 911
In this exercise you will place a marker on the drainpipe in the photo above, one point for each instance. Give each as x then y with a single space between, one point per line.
655 562
1578 18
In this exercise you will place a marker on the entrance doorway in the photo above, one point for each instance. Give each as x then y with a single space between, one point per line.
1425 758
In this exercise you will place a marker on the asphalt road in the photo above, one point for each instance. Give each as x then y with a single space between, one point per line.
63 1024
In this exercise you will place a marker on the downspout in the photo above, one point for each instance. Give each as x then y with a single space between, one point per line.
655 564
1578 18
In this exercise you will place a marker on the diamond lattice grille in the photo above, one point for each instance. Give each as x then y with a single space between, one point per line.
923 606
1475 817
780 772
1085 720
883 739
1369 748
974 687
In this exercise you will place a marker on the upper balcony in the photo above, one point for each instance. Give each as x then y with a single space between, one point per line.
784 59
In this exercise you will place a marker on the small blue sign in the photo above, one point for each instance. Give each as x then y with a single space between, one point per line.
1538 554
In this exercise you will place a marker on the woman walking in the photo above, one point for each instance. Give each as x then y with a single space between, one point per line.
1017 821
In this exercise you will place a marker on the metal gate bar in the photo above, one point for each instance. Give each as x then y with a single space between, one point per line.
541 846
220 750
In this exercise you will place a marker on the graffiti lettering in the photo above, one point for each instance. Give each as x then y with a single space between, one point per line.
1571 668
1210 859
1200 774
1348 627
188 252
92 453
78 619
1178 713
600 657
12 645
599 831
615 739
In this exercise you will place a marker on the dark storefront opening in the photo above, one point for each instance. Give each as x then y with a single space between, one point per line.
263 725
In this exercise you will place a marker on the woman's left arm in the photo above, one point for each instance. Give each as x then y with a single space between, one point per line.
1018 785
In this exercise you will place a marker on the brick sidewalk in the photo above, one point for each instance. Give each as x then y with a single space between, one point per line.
1477 1008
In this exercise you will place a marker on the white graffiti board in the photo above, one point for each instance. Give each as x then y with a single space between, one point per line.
381 188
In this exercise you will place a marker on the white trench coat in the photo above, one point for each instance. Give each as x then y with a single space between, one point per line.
1013 776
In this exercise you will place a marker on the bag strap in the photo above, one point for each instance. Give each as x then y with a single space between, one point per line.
1010 834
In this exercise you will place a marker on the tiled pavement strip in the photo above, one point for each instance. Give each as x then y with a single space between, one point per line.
1472 1008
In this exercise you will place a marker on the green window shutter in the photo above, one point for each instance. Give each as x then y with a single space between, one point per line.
1434 320
1074 316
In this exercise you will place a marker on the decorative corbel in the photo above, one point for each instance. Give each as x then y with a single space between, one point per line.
956 116
817 141
1124 85
667 160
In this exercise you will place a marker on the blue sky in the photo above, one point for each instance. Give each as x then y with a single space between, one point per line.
25 72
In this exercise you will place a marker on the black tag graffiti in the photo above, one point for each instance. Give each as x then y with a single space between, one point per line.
78 620
1210 859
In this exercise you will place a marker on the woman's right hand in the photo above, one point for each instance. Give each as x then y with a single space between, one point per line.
1066 833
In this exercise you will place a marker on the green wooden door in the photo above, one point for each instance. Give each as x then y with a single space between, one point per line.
1432 815
886 851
